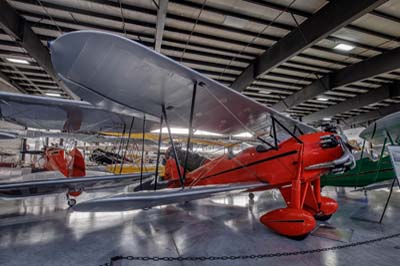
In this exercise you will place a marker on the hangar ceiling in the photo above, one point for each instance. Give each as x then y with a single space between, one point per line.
288 54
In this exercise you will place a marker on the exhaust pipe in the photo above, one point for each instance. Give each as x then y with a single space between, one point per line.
346 161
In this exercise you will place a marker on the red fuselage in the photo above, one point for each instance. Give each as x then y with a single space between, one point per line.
285 168
275 167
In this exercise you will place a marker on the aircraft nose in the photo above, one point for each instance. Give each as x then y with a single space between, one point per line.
344 162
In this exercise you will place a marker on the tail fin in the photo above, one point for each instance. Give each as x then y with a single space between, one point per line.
55 160
76 166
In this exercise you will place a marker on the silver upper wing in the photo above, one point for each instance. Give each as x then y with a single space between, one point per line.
380 129
61 114
119 74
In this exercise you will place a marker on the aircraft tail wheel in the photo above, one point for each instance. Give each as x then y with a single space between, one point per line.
290 222
251 195
328 207
322 217
71 202
298 238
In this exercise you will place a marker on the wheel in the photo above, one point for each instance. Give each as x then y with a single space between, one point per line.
251 195
298 238
71 202
323 217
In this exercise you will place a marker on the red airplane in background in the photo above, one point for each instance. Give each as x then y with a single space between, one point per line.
63 173
72 165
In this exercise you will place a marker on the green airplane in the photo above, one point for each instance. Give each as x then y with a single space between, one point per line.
371 173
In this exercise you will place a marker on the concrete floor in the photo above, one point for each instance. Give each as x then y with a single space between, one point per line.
41 231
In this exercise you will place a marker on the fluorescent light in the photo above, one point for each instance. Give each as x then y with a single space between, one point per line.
326 119
206 133
322 99
185 131
53 94
264 92
344 47
235 22
243 135
18 61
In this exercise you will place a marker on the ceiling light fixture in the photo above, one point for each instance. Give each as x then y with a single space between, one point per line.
235 22
243 135
327 119
18 61
322 99
344 47
53 94
185 131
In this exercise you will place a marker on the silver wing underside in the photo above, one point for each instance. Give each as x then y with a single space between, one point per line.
60 114
119 74
92 137
140 200
36 185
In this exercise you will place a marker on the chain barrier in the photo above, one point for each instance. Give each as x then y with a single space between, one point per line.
115 259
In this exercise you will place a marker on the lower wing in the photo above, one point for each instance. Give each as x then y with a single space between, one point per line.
43 187
375 186
140 200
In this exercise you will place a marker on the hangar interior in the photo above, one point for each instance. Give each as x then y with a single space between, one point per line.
199 132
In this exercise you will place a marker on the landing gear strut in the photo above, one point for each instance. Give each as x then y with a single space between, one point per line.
251 195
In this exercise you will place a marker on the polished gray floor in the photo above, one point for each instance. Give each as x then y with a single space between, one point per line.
41 231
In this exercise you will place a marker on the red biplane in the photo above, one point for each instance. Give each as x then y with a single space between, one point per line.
122 76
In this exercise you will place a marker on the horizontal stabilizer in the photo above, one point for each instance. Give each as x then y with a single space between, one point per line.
140 200
50 186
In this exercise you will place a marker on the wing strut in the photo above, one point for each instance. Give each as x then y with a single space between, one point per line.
274 132
274 136
158 152
127 144
296 128
190 127
141 162
115 158
164 112
286 129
